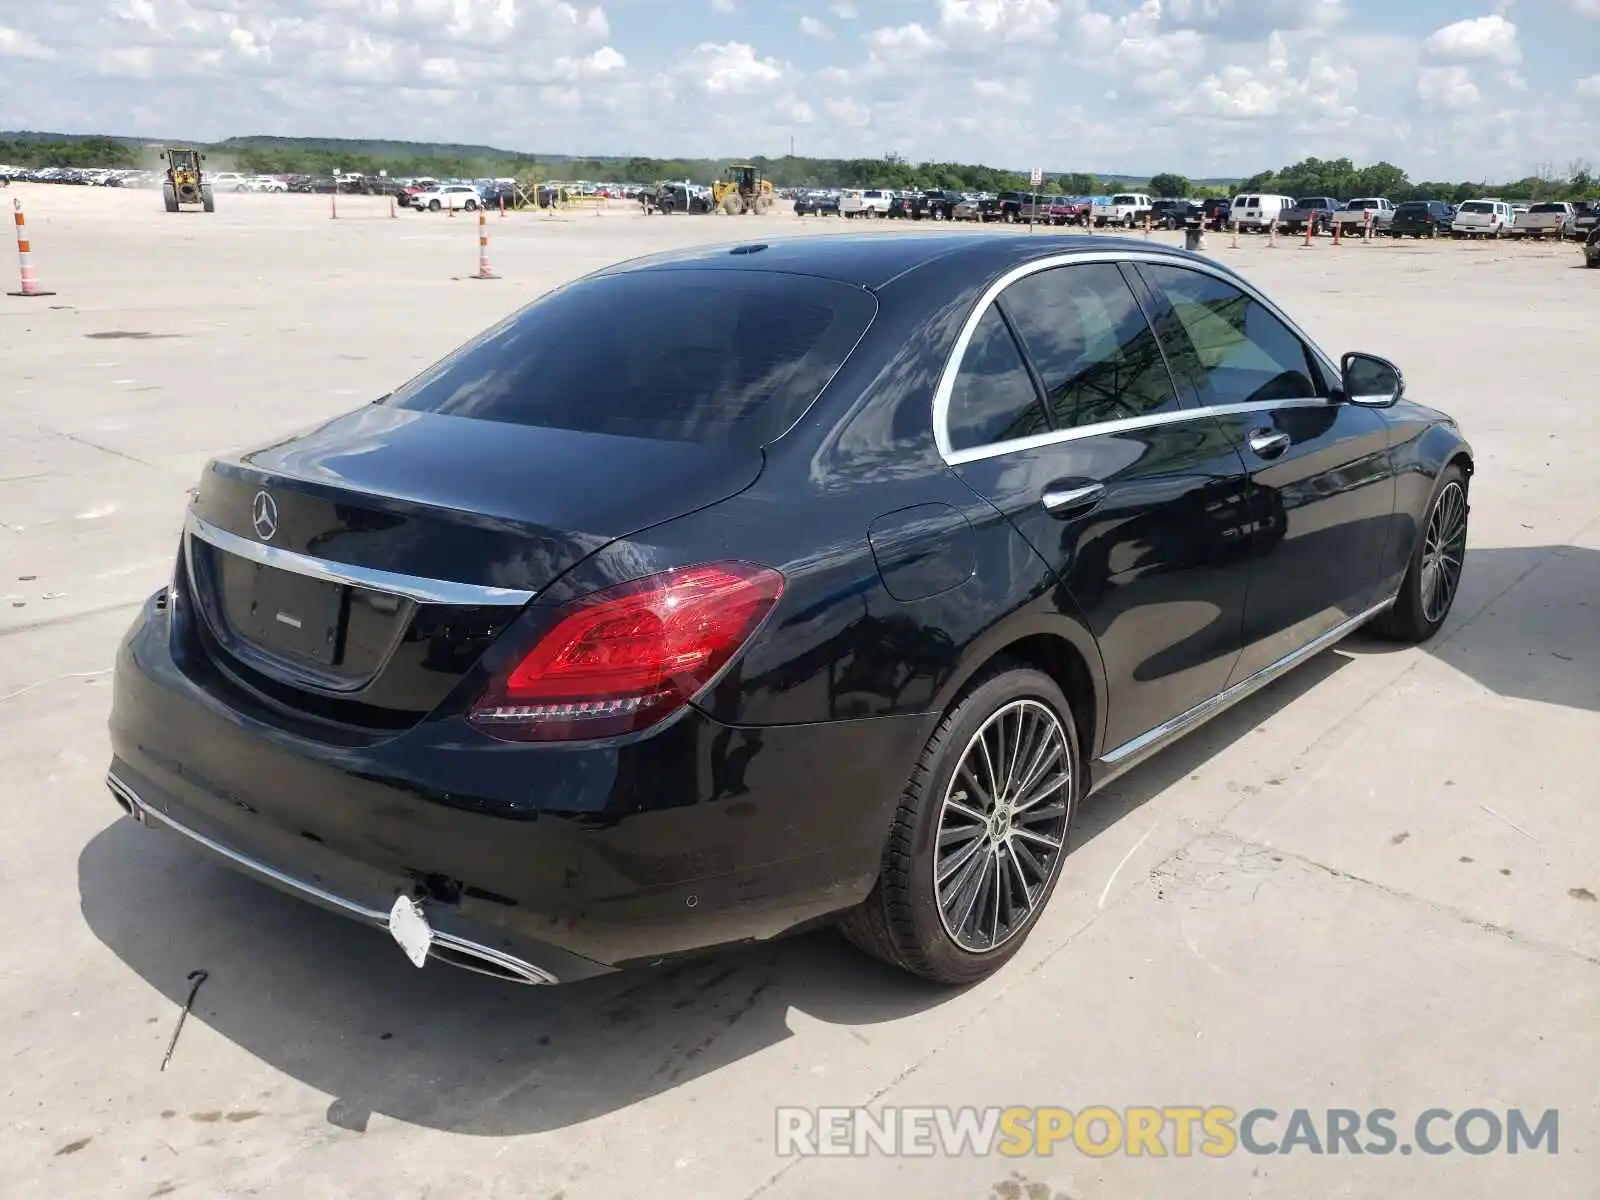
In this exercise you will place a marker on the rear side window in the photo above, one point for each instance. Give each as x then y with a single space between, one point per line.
1234 350
714 356
993 399
1090 342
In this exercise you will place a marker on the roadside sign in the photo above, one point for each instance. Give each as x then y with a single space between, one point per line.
1037 177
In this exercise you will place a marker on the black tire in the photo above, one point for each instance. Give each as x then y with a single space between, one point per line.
207 200
470 206
433 206
900 921
169 196
1409 619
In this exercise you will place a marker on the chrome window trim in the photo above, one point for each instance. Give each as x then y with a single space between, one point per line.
952 366
412 587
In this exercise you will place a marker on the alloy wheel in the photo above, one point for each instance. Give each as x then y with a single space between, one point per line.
1002 826
1444 548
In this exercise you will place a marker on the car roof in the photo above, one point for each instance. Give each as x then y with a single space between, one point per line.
872 262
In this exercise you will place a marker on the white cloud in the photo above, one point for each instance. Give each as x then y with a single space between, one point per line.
724 6
844 11
968 22
1249 20
1491 37
1448 88
812 27
1585 8
732 67
1589 87
1318 91
902 42
14 43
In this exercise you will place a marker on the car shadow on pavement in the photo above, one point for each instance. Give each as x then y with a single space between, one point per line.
1535 632
336 1006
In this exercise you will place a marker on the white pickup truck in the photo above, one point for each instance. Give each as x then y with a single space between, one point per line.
1126 209
869 202
1355 212
1555 219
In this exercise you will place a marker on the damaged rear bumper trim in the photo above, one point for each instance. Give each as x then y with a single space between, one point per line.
447 947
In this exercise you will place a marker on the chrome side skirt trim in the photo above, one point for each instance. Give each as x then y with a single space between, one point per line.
412 587
458 951
1114 762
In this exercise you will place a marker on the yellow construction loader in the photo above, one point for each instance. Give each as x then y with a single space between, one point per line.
742 191
185 183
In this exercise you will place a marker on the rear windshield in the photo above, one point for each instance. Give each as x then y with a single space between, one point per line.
1413 206
1124 200
1558 208
1476 206
712 356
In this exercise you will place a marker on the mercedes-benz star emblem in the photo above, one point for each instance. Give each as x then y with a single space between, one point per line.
264 512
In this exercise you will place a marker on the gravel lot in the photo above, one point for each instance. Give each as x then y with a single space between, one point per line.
1372 885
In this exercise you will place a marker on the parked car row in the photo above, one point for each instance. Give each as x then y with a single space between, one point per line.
1486 217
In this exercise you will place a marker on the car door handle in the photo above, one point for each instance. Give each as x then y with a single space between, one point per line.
1069 499
1268 443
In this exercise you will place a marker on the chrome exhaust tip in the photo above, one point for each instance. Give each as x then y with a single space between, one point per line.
125 798
480 960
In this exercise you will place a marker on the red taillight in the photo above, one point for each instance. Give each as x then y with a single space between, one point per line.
622 659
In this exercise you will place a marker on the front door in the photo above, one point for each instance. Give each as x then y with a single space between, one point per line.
1065 417
1321 484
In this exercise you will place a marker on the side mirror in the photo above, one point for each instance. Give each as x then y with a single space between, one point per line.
1370 381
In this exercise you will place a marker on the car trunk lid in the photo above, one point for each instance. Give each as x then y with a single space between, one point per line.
357 571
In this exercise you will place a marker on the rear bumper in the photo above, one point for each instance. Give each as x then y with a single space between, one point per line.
543 863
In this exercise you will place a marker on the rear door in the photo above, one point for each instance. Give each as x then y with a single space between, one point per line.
1063 415
1320 481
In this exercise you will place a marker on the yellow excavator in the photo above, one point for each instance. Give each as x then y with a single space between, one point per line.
185 183
743 191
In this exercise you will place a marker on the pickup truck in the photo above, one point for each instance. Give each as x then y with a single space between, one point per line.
1066 210
873 202
1587 218
1174 214
1316 211
1355 212
1540 219
1126 209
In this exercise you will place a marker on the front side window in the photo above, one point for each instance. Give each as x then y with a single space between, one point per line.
1233 350
993 399
1088 338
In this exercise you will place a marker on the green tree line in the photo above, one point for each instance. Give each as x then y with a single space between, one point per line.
311 156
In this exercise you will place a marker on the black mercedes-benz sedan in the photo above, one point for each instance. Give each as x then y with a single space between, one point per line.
729 592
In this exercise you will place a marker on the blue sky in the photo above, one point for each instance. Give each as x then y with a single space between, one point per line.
1469 89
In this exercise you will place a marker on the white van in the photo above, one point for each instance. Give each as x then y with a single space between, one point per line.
1482 218
1258 212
